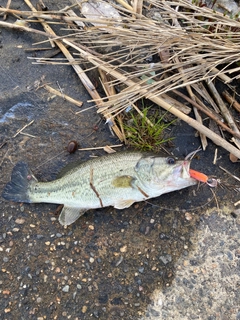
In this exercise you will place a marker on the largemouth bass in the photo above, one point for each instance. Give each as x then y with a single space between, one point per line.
117 180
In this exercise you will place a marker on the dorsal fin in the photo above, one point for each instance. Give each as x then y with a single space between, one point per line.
69 167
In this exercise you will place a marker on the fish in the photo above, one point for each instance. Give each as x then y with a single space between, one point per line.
119 180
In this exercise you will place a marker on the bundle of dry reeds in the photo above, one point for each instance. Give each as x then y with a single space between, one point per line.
149 50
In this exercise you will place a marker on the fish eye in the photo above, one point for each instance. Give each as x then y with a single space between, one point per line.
170 160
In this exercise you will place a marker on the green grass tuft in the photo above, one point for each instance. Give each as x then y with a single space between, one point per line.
142 135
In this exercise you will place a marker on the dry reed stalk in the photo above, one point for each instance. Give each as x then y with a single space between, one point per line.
233 176
23 28
209 113
137 6
201 90
156 99
195 110
63 95
43 23
37 14
83 77
81 74
99 148
198 118
160 32
231 100
24 127
111 94
176 104
225 112
110 91
125 4
7 7
200 45
120 121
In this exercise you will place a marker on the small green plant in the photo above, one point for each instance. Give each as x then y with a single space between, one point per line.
146 133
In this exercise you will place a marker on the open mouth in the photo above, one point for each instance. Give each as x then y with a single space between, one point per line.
185 169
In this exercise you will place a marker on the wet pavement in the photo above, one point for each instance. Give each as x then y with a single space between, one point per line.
176 257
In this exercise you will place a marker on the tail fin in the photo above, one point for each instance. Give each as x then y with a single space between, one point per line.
17 189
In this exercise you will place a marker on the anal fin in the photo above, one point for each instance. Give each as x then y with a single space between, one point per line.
69 215
121 204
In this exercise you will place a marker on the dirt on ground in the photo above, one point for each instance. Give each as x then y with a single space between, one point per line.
174 257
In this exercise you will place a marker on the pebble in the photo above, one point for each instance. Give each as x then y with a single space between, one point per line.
6 292
74 295
230 256
91 259
141 269
84 309
119 261
39 299
96 314
165 259
188 216
19 221
123 249
125 269
154 312
65 288
163 236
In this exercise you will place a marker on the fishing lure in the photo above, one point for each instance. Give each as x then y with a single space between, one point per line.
199 176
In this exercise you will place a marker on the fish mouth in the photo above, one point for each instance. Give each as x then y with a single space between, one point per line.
182 170
185 169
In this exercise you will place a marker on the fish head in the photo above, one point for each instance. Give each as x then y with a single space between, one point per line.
162 175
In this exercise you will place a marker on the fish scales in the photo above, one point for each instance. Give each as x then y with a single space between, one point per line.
117 180
76 187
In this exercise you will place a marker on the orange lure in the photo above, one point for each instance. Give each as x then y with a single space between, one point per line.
198 176
203 178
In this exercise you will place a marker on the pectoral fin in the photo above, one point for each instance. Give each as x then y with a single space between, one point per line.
69 215
123 182
121 204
